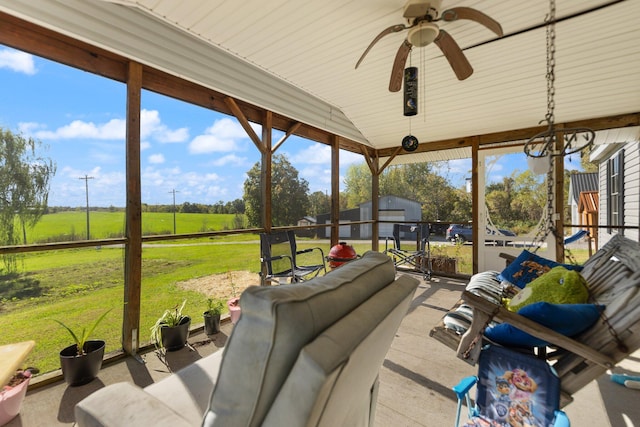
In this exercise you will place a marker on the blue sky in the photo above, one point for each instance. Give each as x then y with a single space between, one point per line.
201 154
80 117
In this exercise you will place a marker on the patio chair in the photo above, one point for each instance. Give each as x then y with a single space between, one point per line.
279 259
512 388
418 259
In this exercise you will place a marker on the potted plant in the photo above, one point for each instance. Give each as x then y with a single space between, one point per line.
81 362
171 330
212 316
12 395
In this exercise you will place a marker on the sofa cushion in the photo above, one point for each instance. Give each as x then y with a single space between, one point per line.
276 322
331 381
188 391
125 404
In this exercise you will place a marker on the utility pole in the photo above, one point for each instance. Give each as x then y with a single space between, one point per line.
174 209
86 186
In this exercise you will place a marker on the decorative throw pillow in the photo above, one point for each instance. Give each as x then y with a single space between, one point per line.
529 266
558 286
566 319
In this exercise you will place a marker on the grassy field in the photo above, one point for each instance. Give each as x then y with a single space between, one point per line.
66 226
77 285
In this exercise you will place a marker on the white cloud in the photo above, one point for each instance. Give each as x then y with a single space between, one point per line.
17 61
230 160
29 128
222 136
113 129
144 145
151 127
156 159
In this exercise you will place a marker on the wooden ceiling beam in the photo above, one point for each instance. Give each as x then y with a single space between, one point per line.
597 124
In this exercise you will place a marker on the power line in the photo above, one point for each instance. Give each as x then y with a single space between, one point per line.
86 186
174 191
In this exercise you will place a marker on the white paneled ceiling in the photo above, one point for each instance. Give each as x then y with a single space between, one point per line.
297 58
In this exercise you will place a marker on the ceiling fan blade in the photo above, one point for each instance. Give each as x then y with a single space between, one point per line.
391 29
471 14
454 55
395 84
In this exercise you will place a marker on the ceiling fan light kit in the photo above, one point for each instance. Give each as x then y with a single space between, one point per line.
423 34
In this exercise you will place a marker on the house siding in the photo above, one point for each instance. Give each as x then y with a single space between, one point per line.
631 194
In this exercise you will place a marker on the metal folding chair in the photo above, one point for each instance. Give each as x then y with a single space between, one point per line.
278 258
419 259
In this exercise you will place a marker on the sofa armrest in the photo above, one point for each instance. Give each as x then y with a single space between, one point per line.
124 404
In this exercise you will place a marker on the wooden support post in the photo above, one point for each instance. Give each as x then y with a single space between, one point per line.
375 207
265 172
335 191
475 200
558 174
133 247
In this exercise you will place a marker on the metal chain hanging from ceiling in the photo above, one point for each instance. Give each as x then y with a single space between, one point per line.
543 144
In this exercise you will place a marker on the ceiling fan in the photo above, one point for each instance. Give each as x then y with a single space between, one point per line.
422 16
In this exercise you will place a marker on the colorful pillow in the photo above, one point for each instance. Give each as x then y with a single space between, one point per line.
558 286
566 319
529 266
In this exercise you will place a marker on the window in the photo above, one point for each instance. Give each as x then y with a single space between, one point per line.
615 193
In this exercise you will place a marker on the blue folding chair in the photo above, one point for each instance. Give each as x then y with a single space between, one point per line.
512 389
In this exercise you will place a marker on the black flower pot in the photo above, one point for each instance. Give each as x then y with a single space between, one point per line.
211 323
79 370
175 337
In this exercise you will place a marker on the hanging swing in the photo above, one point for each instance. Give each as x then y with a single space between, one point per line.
611 277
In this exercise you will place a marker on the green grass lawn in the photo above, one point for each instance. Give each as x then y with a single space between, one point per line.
72 225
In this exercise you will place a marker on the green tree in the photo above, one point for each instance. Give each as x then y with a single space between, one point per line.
289 199
357 186
587 166
417 181
24 188
320 203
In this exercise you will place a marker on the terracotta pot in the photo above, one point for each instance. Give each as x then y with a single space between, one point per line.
79 370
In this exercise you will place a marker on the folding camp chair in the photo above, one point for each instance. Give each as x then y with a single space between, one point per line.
513 389
419 259
278 258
